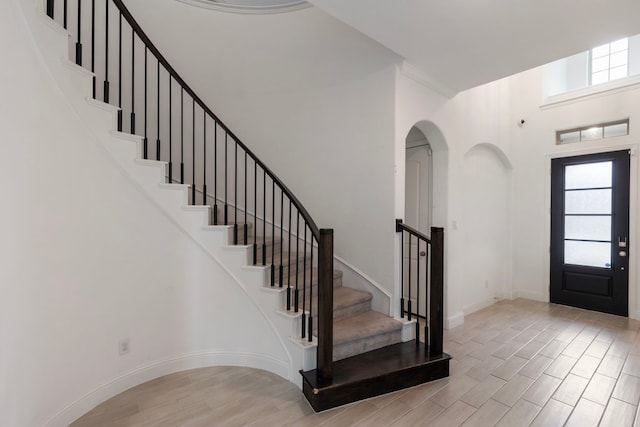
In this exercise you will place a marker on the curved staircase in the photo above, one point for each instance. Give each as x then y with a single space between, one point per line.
240 213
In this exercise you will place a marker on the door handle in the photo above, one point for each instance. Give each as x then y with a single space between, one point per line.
423 253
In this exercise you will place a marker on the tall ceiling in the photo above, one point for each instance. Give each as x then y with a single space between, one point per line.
464 43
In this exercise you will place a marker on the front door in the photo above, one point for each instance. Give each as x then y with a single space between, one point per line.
589 232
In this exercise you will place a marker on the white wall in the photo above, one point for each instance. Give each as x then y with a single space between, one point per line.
86 260
487 214
454 127
312 97
530 149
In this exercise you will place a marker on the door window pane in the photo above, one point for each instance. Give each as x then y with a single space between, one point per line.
588 175
592 254
591 133
587 227
587 202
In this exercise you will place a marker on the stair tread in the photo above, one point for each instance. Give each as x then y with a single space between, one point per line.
345 297
362 326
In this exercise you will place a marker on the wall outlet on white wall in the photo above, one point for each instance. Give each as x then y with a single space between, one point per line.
486 284
124 346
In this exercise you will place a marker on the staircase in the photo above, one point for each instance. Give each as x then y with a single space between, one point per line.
214 187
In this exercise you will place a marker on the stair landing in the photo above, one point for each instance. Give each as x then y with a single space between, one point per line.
391 368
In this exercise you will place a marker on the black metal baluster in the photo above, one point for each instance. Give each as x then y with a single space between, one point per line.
204 157
264 217
297 292
215 172
120 73
304 283
409 283
401 273
193 151
181 135
106 53
273 232
79 39
280 278
289 263
93 45
418 291
50 7
226 199
235 194
133 82
171 128
145 141
311 293
245 234
255 212
65 14
158 121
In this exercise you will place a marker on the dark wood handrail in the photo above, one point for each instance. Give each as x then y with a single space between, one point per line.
400 226
434 247
174 74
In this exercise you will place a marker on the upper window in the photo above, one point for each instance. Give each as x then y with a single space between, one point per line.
597 131
610 61
605 67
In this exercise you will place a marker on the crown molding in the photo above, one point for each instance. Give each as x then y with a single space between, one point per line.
251 10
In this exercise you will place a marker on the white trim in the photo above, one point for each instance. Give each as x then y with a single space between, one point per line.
158 369
454 320
472 308
591 92
251 10
535 296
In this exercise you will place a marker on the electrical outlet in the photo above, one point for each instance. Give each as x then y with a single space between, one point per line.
486 284
124 346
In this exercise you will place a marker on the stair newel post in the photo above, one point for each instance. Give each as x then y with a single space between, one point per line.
325 304
427 254
401 231
437 291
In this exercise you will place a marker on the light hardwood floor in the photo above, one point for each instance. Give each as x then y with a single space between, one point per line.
516 363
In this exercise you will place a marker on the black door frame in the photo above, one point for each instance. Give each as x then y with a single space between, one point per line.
630 262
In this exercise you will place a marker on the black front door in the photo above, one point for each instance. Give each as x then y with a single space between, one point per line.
589 232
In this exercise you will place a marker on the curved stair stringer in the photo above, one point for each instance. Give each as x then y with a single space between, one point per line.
172 199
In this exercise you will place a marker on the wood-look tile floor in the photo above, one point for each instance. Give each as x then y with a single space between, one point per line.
516 363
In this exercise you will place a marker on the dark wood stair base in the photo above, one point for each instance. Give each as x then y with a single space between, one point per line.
377 372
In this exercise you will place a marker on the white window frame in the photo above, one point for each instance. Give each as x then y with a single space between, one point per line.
608 56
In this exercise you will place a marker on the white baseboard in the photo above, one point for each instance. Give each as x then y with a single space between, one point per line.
158 369
536 296
454 320
472 308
